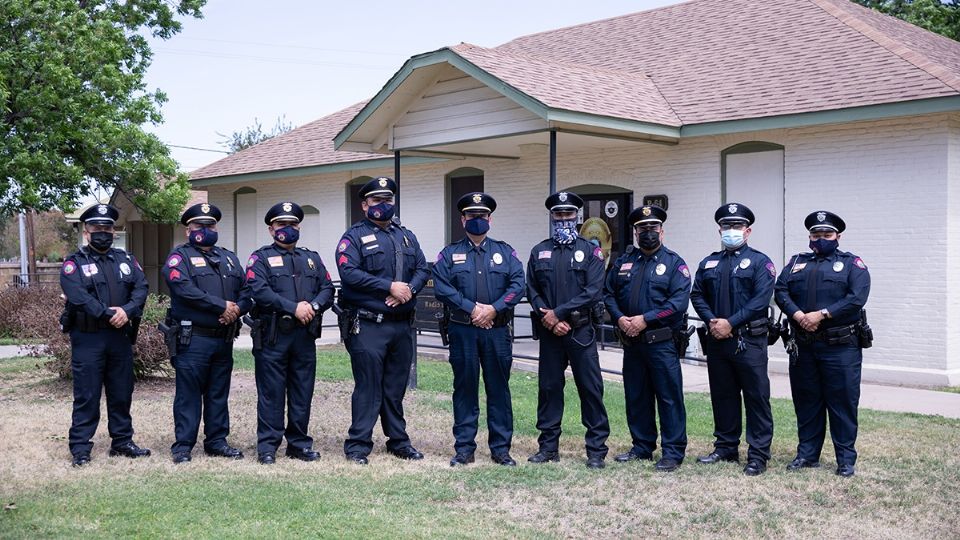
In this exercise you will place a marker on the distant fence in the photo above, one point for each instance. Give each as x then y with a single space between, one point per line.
47 272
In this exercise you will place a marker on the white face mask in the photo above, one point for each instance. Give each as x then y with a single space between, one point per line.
731 239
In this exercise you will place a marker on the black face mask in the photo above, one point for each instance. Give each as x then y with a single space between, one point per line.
101 241
648 240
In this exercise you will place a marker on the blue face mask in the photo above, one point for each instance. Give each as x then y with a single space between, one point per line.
203 237
731 239
380 212
824 247
286 235
477 226
565 231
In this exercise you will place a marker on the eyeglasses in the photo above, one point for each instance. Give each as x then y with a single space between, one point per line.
734 226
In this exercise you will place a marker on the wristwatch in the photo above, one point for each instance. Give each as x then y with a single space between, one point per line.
316 306
825 313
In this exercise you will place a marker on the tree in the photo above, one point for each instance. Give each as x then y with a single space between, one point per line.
73 100
240 140
940 16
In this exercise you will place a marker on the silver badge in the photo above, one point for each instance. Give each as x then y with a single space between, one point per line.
497 258
125 269
745 264
732 208
578 256
837 266
661 269
563 196
102 209
821 216
287 207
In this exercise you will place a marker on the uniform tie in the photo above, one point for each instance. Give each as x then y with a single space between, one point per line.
483 295
812 286
723 298
297 274
109 272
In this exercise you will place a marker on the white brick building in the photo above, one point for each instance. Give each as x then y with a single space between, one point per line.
880 146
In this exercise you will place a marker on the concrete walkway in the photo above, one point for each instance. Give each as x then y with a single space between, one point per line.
872 396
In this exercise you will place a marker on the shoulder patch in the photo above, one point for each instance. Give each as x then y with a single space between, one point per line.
440 256
174 260
598 253
174 275
342 260
860 264
772 269
252 260
69 267
514 253
344 244
684 270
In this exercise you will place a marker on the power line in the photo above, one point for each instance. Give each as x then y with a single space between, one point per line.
195 148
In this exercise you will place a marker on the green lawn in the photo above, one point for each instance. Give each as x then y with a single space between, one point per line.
907 483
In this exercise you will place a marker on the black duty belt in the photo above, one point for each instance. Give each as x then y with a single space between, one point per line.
211 332
379 317
838 335
462 317
755 328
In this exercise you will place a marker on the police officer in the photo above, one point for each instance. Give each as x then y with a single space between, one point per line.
208 295
106 291
291 289
731 294
823 294
382 268
564 288
647 294
480 280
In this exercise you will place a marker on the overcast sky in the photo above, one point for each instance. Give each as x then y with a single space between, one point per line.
305 59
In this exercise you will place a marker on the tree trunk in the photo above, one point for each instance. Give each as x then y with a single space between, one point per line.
31 247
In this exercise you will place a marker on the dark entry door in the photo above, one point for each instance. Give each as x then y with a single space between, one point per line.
605 222
460 186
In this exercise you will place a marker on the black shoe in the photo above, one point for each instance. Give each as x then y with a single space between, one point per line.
267 458
303 454
461 459
846 471
80 460
714 457
130 450
226 451
595 462
754 467
543 457
357 458
407 452
632 455
667 465
801 463
503 459
181 457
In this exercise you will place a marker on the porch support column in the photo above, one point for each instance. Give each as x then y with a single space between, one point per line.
396 178
553 161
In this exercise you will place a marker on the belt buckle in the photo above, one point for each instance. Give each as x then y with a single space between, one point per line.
379 318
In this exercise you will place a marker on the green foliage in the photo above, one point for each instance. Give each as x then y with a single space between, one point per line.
940 16
73 100
252 135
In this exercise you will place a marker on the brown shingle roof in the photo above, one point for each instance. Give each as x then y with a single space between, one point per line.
306 146
692 63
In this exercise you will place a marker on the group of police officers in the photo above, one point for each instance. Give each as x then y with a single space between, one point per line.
283 290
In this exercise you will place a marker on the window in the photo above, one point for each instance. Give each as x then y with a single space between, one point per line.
354 212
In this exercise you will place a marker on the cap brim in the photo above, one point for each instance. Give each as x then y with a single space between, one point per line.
564 207
285 216
477 209
823 227
377 192
206 219
100 221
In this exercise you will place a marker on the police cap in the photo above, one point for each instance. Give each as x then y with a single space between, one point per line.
649 213
284 210
100 214
733 212
378 186
821 219
476 202
201 213
563 201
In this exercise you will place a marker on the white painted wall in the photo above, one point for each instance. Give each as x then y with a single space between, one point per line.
758 177
888 180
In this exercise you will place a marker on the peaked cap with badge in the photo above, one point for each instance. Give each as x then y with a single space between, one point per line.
201 213
734 212
563 201
476 202
821 219
284 210
381 185
650 213
100 214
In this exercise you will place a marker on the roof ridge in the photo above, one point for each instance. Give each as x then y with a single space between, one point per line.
916 58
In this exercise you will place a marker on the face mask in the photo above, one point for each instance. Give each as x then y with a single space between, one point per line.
648 240
477 226
380 212
203 237
565 231
286 235
824 247
731 239
101 241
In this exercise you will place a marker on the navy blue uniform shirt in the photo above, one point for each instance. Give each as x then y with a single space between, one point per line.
752 276
489 273
655 286
841 284
86 284
282 278
201 282
564 277
367 260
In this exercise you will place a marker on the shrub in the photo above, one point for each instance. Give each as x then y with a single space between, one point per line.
34 313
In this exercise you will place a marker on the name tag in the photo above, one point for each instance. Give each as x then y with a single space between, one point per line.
459 257
368 238
798 267
275 261
626 267
711 264
545 255
198 261
90 270
375 246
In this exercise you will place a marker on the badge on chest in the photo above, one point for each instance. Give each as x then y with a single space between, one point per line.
199 262
89 270
275 261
